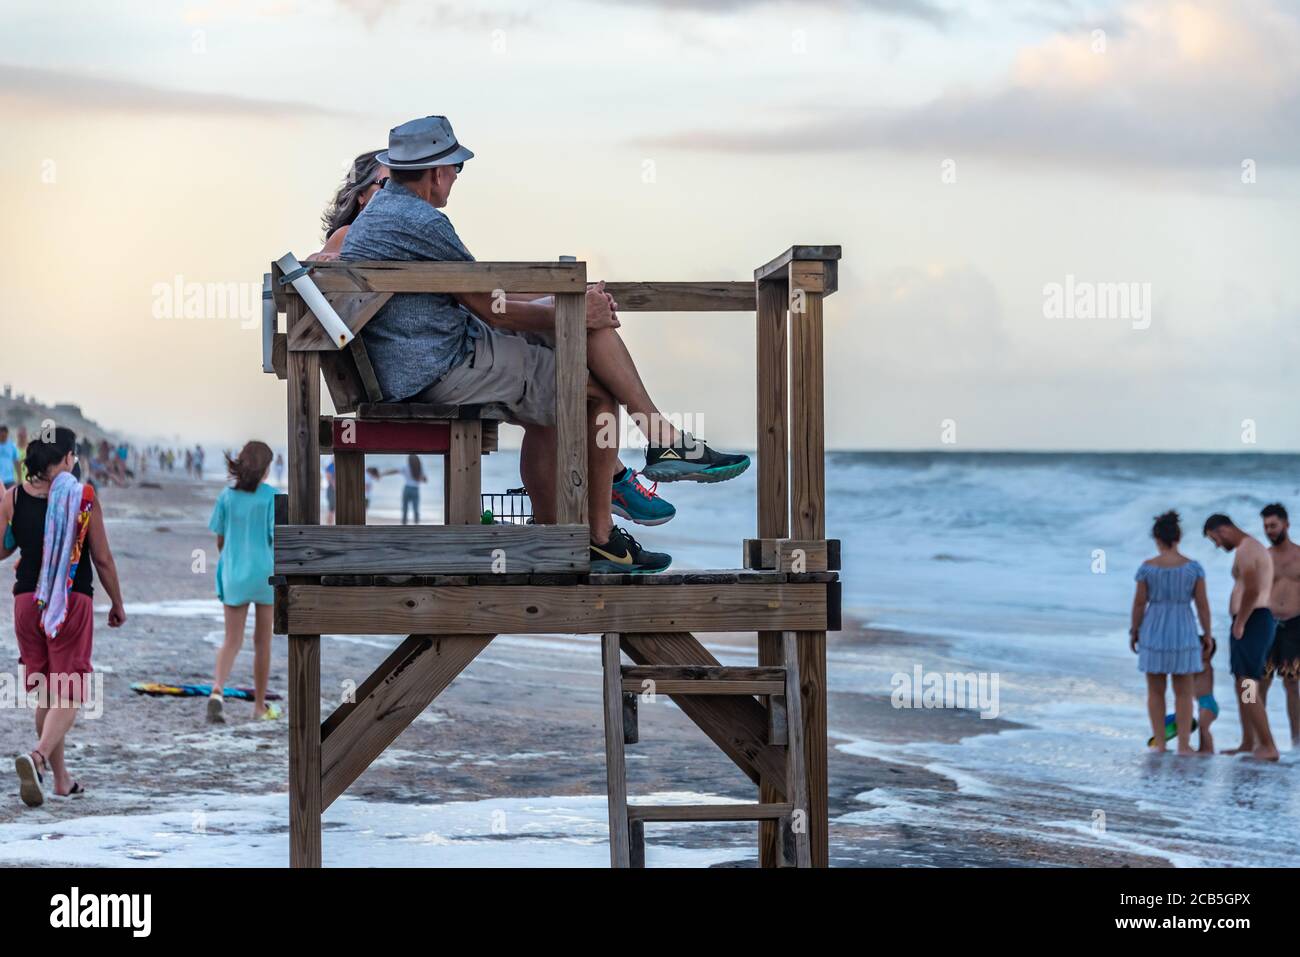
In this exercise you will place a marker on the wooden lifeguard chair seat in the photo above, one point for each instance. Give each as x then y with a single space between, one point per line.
368 425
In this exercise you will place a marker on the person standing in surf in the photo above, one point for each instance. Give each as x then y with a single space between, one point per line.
1284 603
1163 631
51 520
244 522
1253 628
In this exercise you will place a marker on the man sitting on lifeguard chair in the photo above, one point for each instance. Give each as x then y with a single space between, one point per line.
480 348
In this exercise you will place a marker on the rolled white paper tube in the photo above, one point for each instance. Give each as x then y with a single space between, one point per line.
268 323
338 331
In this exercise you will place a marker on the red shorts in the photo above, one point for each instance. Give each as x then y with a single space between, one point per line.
64 662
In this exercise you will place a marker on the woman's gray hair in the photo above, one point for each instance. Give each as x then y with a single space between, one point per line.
346 205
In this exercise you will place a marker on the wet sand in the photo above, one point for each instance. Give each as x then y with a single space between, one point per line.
519 735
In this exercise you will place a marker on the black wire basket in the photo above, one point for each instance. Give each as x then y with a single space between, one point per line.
511 507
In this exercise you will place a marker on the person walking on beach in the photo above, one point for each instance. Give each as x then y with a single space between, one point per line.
8 459
412 477
1253 628
1284 602
51 520
244 522
1163 631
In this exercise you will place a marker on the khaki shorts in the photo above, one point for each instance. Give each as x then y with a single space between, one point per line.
513 369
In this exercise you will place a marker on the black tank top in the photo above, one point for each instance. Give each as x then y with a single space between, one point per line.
29 532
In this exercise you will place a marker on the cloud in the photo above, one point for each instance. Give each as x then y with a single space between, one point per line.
78 91
924 10
1174 82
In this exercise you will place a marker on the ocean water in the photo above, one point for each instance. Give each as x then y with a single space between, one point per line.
1020 566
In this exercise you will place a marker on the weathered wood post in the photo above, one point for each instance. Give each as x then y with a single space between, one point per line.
773 467
792 485
571 409
304 650
808 281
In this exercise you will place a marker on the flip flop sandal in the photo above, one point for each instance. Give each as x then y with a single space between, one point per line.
30 780
216 709
76 792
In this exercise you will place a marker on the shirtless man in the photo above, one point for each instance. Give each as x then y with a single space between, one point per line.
1284 659
1253 626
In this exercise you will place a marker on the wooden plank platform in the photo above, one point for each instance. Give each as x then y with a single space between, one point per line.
430 549
542 610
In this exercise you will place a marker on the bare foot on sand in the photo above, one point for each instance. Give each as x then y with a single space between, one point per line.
1265 754
1239 749
1157 749
1188 752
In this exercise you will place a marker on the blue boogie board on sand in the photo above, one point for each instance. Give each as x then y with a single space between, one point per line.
196 691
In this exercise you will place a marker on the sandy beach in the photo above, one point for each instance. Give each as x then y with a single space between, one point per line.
505 768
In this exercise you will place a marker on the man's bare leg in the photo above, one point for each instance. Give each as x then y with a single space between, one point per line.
1247 727
601 459
537 462
1292 686
537 469
1265 749
610 362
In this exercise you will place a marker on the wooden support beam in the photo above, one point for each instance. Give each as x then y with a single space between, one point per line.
615 765
339 370
303 475
777 720
704 686
801 826
737 725
305 805
280 355
387 702
772 406
791 555
796 254
354 308
808 521
636 836
682 296
571 409
631 721
702 679
350 488
707 812
549 609
448 277
463 474
807 418
429 550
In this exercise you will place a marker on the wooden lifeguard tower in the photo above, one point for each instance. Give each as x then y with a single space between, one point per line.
451 588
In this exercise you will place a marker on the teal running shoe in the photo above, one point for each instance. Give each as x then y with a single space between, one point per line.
636 503
691 461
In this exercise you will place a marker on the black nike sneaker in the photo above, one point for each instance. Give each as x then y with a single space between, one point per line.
691 461
622 554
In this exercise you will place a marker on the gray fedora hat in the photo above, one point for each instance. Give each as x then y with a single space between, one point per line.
423 144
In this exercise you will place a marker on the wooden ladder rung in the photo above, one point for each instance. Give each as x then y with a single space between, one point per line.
703 679
708 812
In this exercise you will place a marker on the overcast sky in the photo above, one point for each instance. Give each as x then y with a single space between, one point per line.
966 155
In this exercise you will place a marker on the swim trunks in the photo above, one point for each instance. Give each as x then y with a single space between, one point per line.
1284 658
1250 651
1207 703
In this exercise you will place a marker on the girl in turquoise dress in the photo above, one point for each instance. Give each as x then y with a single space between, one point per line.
244 522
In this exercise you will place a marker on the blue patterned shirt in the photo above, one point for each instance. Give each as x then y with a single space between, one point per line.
416 337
